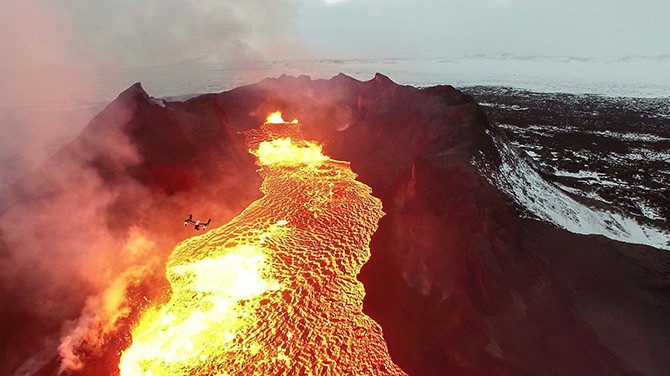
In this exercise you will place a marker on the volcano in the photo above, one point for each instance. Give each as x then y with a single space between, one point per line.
478 266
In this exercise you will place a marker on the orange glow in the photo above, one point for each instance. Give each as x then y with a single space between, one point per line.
203 315
274 291
276 118
286 152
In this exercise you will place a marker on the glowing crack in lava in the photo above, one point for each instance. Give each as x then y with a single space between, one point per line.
274 291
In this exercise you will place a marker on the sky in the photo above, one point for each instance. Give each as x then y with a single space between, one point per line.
431 28
102 40
60 60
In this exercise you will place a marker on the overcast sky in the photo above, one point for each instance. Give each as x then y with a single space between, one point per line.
584 28
47 42
60 54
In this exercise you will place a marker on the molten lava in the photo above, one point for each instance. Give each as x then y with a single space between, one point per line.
274 291
276 118
286 152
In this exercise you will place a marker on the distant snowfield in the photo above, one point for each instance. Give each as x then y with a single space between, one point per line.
629 76
546 201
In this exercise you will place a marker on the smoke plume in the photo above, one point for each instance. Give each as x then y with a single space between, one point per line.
103 312
69 253
62 59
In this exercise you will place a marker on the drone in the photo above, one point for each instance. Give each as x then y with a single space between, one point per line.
197 224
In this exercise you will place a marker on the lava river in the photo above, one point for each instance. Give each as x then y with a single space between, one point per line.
274 291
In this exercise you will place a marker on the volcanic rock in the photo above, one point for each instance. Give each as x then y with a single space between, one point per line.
460 279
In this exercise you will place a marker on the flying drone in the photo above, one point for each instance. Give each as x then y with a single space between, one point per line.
196 224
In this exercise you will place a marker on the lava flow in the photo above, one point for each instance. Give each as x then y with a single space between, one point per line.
274 291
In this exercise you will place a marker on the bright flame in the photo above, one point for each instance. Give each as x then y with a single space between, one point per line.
276 118
286 152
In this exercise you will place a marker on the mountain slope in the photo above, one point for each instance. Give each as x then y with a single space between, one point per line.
459 279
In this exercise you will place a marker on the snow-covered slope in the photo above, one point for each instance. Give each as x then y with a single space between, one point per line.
542 199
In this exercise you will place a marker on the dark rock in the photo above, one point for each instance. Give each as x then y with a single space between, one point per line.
458 281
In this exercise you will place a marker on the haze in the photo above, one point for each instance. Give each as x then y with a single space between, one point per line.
61 60
430 28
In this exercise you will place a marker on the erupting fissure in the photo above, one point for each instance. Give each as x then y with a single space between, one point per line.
274 291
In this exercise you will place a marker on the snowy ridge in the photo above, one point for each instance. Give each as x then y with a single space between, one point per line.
521 182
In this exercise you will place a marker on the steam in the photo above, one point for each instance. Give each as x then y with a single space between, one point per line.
61 60
41 74
102 312
151 33
77 241
58 248
68 252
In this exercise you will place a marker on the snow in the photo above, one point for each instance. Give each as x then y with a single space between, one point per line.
157 101
652 155
591 178
630 136
514 107
540 130
548 74
581 174
532 154
546 201
588 194
648 211
550 130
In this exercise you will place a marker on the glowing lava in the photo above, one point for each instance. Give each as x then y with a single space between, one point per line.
274 291
276 118
286 152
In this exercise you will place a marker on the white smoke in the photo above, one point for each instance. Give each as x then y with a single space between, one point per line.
102 312
59 59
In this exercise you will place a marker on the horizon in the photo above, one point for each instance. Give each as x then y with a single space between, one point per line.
64 60
78 51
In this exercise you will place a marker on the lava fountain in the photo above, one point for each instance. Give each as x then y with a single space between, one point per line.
274 291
